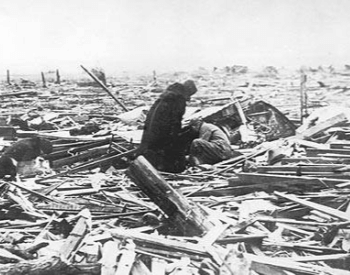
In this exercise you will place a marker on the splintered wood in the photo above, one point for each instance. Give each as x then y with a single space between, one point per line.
280 206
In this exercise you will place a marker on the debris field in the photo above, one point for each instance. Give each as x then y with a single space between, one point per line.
282 206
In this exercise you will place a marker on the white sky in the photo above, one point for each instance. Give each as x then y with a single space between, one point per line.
142 35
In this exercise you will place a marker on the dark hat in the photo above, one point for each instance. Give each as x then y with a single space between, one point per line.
190 87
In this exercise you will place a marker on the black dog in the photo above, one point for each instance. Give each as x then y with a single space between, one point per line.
24 150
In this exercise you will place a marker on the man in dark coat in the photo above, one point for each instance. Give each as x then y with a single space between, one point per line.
160 143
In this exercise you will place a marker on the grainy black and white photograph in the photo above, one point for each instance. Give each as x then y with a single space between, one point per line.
178 137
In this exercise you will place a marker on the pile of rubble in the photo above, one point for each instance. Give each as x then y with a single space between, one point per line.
280 207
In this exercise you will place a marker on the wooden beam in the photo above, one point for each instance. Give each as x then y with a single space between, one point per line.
322 126
251 178
77 235
147 240
186 216
104 88
316 206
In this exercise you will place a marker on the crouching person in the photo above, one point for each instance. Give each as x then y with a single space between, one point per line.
211 146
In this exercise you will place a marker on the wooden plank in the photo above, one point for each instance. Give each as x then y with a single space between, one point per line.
319 152
89 165
345 146
300 168
250 178
319 258
127 258
314 160
110 253
213 234
259 264
322 126
316 206
158 266
139 268
77 235
92 153
147 240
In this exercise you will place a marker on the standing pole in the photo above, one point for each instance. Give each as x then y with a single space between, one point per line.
105 88
58 77
8 77
155 76
303 97
43 79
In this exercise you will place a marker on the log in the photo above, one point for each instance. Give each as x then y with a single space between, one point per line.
186 216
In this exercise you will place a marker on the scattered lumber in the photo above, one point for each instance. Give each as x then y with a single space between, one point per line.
100 211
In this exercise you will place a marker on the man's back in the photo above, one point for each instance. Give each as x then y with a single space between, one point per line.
163 121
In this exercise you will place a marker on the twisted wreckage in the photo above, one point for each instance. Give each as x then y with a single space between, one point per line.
279 207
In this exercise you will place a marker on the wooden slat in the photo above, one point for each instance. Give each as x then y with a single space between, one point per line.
317 152
315 160
316 206
250 178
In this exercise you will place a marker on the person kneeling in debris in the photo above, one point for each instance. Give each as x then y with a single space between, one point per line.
212 145
22 151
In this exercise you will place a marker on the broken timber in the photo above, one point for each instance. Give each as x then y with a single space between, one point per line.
322 208
250 178
91 164
104 88
322 126
188 217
